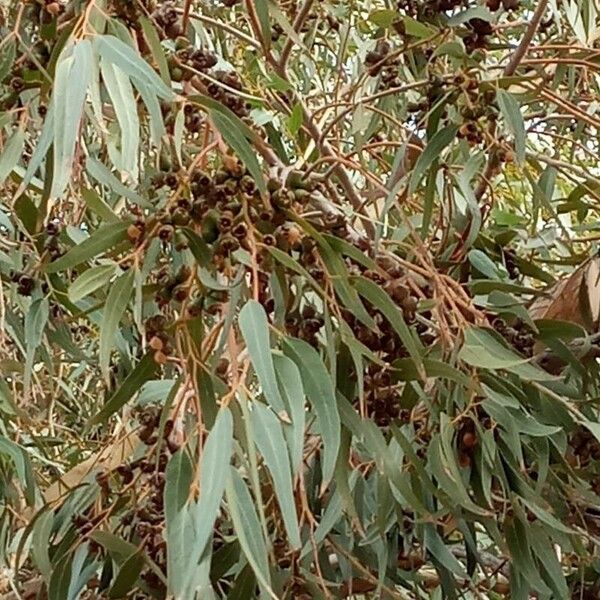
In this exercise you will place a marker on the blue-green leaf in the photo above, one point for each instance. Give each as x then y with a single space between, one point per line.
320 391
70 89
116 302
269 439
255 329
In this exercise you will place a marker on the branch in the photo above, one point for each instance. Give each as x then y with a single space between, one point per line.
297 25
519 53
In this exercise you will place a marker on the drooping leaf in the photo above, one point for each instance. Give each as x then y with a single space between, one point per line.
234 135
320 391
247 528
142 372
121 94
11 153
116 302
123 56
431 153
91 280
268 436
255 329
101 240
514 119
70 89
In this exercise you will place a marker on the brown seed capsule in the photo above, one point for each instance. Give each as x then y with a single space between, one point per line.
469 440
464 460
165 233
180 293
53 8
156 343
160 358
410 304
133 232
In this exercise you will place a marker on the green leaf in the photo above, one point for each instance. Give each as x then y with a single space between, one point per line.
158 54
190 524
96 204
484 264
216 456
157 126
233 134
40 542
91 280
295 119
101 240
11 153
43 145
339 275
178 478
116 302
127 575
123 56
383 17
290 384
255 329
247 526
8 53
417 29
269 439
511 111
35 322
117 547
120 91
483 349
262 10
198 247
406 370
244 585
103 176
320 391
143 372
179 525
432 152
22 466
70 89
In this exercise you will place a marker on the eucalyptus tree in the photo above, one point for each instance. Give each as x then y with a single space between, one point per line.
299 299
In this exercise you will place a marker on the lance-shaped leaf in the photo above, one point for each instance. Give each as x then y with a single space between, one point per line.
35 322
189 528
179 526
320 391
511 112
11 153
101 240
269 439
91 280
130 62
120 91
432 151
116 302
247 527
290 384
142 372
255 329
70 89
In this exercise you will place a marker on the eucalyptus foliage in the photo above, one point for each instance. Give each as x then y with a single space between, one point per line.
299 299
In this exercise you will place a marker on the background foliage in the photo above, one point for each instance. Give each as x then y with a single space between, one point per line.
271 306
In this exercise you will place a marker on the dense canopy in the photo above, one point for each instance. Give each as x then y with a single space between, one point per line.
299 299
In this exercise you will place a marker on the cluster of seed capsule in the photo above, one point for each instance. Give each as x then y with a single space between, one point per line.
518 335
142 525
